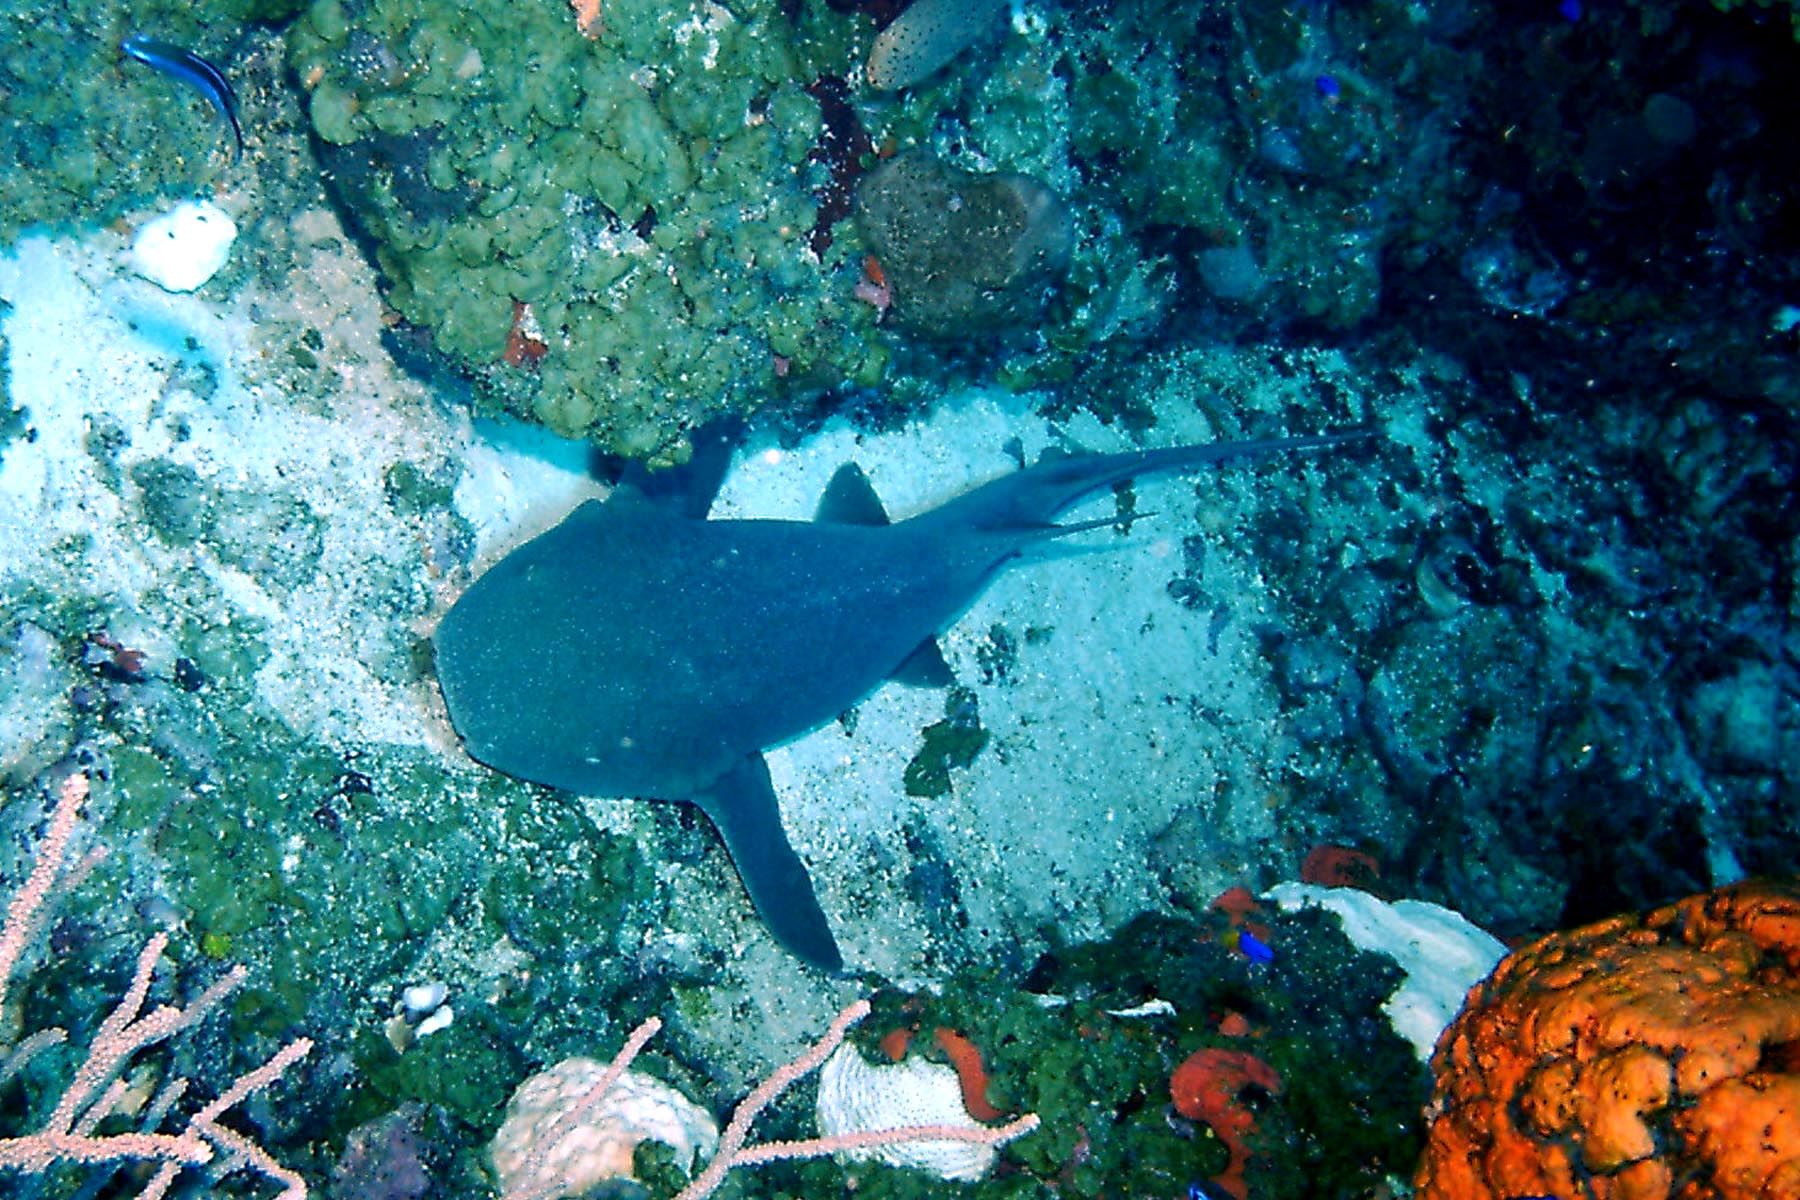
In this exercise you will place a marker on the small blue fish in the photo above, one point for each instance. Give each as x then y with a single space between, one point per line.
1254 948
194 71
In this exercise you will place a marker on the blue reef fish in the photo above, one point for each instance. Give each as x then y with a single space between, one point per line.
194 71
1254 948
639 649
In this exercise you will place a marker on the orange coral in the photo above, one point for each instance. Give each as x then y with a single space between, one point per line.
971 1072
587 17
894 1042
1209 1087
1240 910
873 287
1641 1058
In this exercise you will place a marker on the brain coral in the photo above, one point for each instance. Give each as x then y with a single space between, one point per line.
558 1139
1640 1058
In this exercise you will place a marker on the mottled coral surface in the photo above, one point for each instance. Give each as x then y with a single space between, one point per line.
1641 1057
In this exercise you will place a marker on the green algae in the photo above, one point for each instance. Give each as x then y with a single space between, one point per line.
997 654
645 192
310 876
563 866
468 1069
271 536
946 746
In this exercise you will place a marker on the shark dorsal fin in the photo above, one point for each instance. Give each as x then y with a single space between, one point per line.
924 667
850 499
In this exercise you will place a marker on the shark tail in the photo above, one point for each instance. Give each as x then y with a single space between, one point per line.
1036 494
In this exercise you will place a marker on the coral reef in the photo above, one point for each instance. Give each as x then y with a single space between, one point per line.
575 1126
1276 189
645 191
1534 651
1093 1040
1634 1059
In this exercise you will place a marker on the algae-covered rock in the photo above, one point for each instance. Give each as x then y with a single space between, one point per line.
1311 171
86 137
609 233
1090 1039
965 254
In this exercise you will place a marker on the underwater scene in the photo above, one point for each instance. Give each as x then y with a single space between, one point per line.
991 599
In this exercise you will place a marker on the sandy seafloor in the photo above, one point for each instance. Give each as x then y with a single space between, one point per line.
1133 717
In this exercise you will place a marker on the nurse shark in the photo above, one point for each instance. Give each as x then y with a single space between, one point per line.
638 649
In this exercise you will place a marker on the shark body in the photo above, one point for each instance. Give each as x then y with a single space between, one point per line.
639 649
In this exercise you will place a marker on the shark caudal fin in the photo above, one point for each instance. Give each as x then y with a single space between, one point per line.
1028 500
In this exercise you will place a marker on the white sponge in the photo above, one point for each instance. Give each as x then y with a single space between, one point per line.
1442 952
184 247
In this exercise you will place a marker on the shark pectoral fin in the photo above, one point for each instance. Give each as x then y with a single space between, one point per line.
742 807
924 667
